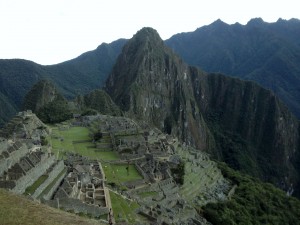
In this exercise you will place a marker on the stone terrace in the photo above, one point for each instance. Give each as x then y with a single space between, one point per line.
25 165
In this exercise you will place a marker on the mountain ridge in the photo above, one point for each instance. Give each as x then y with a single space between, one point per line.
267 53
77 76
90 70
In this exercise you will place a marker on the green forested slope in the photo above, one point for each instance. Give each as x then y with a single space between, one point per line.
253 202
76 76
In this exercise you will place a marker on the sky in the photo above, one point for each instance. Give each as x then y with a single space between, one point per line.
52 31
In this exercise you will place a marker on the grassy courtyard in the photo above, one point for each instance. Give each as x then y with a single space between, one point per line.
77 140
118 173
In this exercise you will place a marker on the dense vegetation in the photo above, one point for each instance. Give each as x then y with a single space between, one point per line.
7 110
244 120
178 173
253 202
49 105
55 111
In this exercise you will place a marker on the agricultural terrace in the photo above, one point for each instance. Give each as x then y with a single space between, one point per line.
124 209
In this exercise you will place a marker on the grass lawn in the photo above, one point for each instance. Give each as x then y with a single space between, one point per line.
107 155
123 208
76 133
118 173
148 194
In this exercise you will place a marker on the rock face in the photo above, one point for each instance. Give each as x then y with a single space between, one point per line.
268 53
253 130
236 121
150 83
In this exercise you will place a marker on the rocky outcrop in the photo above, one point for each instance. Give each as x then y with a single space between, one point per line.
237 121
42 93
48 104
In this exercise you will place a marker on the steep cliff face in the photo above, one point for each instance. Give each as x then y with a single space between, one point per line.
237 121
253 130
267 53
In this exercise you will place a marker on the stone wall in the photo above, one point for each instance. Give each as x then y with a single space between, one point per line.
51 176
7 184
3 144
76 205
32 175
47 196
14 157
141 171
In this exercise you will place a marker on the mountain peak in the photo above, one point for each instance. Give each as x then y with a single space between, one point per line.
219 23
147 30
138 56
147 34
292 20
255 21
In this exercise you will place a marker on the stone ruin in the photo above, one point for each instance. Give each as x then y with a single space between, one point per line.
79 183
25 125
152 169
83 189
76 184
23 160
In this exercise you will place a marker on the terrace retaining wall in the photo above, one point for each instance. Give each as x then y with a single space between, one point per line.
51 176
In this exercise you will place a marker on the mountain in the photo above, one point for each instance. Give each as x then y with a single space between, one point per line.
267 53
47 103
77 76
236 121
